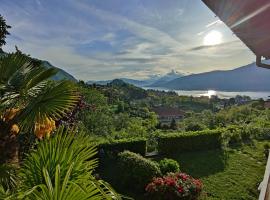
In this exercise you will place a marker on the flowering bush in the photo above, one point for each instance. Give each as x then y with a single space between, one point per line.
174 186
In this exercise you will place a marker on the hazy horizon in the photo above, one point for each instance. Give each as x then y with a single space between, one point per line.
101 40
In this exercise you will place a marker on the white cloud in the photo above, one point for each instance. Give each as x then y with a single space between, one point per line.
148 48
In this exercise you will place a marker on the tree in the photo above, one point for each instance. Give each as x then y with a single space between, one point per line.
29 102
3 31
173 124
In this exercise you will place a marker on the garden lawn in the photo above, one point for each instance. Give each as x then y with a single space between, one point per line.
233 175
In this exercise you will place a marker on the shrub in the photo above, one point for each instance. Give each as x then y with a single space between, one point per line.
135 170
174 186
236 135
168 165
116 146
189 141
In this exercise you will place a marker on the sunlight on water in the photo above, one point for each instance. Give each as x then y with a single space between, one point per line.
221 94
209 93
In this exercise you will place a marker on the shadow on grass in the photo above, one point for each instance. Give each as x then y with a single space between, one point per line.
198 164
201 163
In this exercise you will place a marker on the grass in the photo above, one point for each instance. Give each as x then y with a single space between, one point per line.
231 175
234 174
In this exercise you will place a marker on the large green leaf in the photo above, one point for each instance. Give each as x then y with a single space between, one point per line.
61 169
54 102
24 84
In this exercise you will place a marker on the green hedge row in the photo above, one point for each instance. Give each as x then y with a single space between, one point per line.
117 146
135 171
190 141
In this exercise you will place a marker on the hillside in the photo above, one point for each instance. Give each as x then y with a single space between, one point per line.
246 78
61 75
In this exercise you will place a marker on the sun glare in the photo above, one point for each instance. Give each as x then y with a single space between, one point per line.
210 93
212 38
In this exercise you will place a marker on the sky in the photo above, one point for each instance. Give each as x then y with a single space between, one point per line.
106 39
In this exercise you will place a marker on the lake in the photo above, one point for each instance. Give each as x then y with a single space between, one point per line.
220 94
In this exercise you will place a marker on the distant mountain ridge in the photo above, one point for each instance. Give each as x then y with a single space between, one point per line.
61 74
246 78
143 83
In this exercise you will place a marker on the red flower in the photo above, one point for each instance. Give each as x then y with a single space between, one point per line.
174 186
180 189
183 176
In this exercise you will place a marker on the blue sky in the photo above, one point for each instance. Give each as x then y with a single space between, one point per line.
105 39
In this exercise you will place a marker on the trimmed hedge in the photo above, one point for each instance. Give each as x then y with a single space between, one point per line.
136 171
190 141
117 146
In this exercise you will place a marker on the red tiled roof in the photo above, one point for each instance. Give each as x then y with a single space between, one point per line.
168 111
248 19
267 104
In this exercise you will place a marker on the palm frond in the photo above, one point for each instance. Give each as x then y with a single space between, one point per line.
64 148
61 168
21 75
8 178
54 102
64 189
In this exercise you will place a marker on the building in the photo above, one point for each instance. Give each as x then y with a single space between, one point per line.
167 114
267 104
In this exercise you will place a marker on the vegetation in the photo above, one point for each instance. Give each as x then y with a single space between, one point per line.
136 171
174 186
232 174
3 31
167 165
29 103
49 129
136 145
62 168
190 141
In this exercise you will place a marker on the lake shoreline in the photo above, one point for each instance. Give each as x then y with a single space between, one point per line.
221 94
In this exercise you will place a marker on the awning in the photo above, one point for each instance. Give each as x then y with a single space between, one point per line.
248 19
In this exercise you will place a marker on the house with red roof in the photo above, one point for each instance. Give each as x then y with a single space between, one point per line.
167 114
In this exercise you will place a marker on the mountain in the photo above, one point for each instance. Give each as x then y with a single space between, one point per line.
246 78
167 78
154 79
61 74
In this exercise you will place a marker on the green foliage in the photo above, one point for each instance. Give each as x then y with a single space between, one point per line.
136 171
84 187
3 31
189 141
61 168
173 125
4 194
24 84
8 179
116 146
167 165
111 116
233 174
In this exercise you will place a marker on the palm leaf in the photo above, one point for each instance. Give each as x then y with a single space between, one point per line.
61 169
53 102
